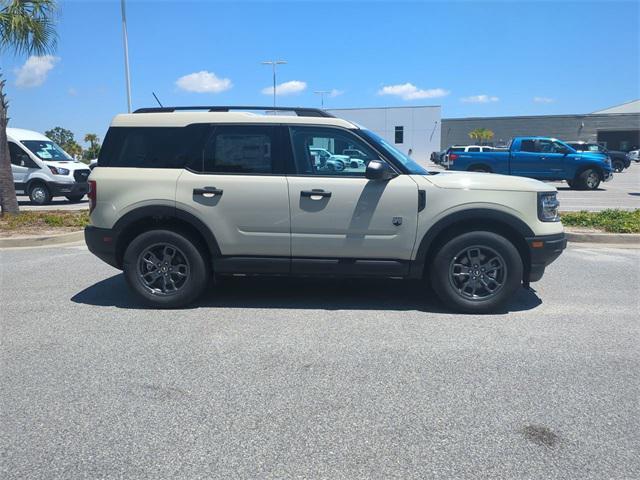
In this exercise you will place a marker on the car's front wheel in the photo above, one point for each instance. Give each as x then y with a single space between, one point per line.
165 269
588 180
39 194
476 272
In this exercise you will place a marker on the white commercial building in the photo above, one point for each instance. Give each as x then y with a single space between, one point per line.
408 128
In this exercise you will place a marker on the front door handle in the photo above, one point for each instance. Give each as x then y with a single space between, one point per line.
208 192
315 194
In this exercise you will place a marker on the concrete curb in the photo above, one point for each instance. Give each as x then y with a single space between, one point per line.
42 240
572 236
610 238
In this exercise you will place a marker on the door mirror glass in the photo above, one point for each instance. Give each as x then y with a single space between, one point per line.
379 170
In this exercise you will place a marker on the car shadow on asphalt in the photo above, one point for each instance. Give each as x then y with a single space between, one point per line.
569 189
56 202
299 293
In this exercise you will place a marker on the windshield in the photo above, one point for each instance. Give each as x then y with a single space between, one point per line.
47 150
406 161
594 147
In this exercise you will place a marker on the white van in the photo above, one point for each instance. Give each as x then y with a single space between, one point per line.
42 170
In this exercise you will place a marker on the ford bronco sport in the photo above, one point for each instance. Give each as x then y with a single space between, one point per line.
181 194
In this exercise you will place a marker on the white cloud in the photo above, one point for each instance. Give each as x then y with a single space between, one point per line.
408 91
203 82
35 70
286 88
479 99
335 93
543 100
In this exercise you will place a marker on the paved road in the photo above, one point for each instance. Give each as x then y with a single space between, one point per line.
318 379
58 203
621 192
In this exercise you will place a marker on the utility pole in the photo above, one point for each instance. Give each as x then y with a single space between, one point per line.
322 93
273 63
126 54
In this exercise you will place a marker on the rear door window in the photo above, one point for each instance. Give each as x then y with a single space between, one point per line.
153 147
243 149
528 146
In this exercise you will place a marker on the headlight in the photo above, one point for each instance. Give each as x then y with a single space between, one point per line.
58 170
548 205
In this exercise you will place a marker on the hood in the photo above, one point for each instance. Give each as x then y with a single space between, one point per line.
488 181
595 156
68 164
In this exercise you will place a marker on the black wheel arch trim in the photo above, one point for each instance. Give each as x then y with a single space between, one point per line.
160 212
464 217
599 170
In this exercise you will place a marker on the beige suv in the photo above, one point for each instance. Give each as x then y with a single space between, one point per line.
181 194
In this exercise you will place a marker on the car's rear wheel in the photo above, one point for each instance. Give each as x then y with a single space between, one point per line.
618 166
39 194
476 272
588 180
165 269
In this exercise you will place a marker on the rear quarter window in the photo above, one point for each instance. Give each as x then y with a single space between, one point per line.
153 147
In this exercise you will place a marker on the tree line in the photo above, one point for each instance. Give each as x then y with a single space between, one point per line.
66 140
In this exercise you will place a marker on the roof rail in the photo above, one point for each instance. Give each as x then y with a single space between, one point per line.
299 111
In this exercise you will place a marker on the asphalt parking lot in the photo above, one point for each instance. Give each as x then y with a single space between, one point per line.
318 379
621 192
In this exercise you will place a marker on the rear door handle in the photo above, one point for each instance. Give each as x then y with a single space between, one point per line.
316 192
208 192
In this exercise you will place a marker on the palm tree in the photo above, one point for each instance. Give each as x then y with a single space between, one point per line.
26 28
481 134
91 139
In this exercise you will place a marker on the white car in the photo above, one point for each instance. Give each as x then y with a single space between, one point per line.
181 194
42 170
465 148
634 155
324 159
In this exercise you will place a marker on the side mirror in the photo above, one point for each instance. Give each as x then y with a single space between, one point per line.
379 170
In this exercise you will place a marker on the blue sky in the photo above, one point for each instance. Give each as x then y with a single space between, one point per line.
472 58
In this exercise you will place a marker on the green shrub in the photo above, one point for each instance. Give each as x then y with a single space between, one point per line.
52 219
614 221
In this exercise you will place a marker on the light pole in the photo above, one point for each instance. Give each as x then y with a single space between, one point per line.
322 93
273 63
126 54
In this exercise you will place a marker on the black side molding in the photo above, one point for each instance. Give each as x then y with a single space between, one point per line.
422 200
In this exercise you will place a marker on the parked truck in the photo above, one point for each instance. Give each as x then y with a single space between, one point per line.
541 158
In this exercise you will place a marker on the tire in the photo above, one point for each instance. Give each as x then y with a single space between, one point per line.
175 280
39 194
588 180
618 166
75 198
339 165
487 293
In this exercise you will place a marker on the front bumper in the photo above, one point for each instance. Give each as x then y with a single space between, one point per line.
543 250
68 189
102 243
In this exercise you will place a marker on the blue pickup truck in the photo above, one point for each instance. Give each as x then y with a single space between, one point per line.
542 158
